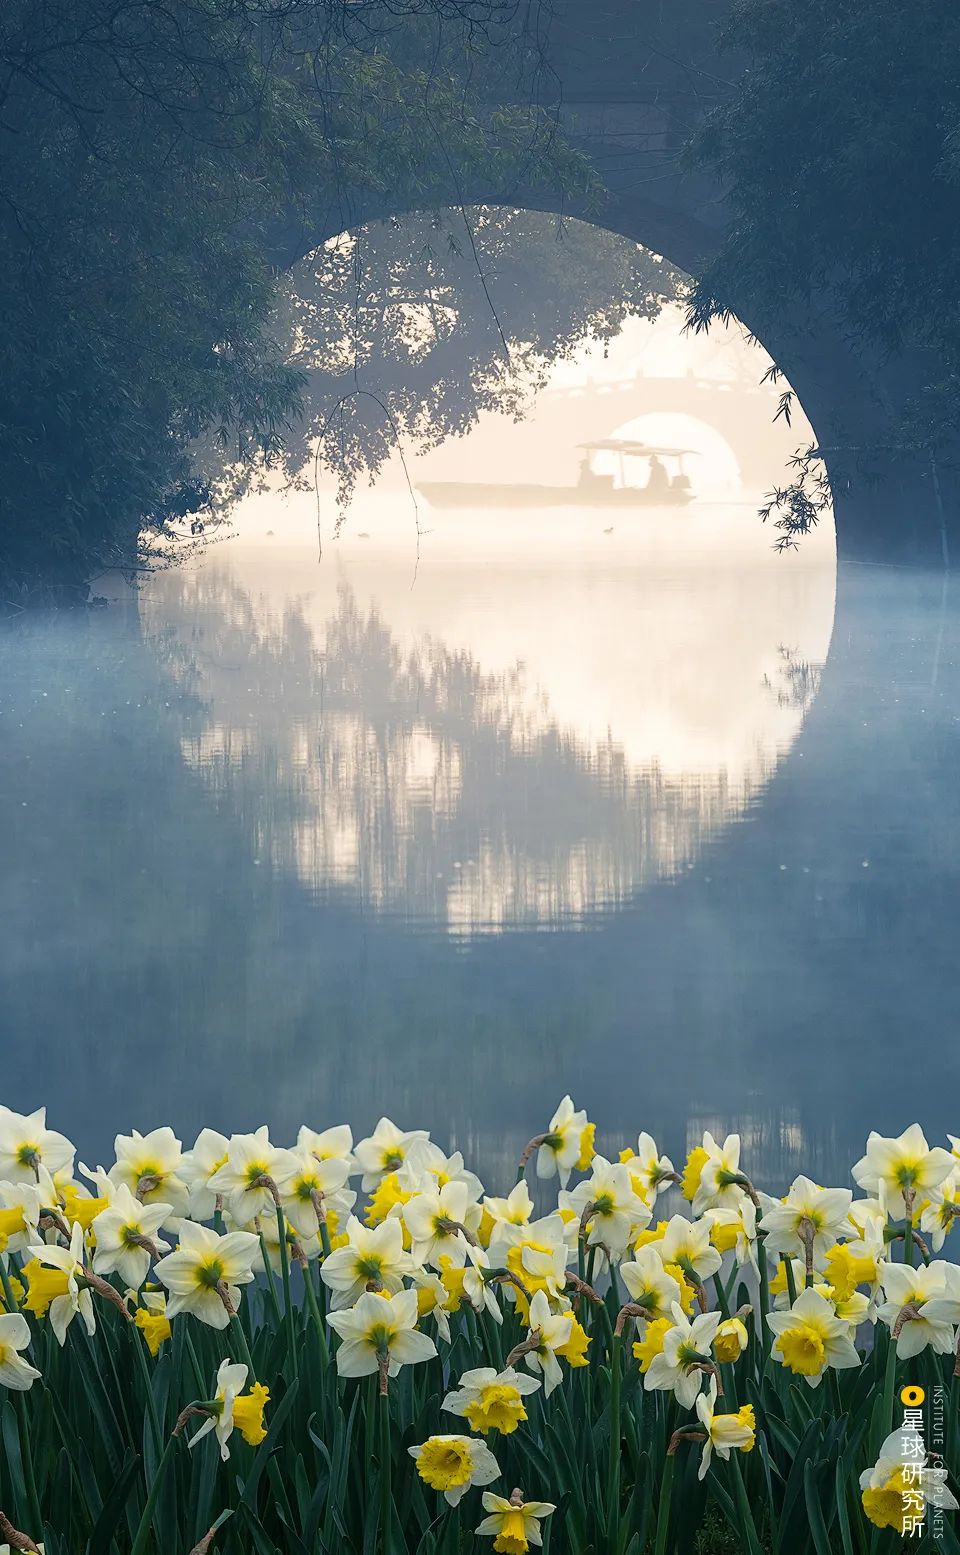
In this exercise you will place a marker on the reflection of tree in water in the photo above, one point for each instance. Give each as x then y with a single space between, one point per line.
797 681
415 779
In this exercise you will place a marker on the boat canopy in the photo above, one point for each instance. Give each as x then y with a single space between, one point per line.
621 445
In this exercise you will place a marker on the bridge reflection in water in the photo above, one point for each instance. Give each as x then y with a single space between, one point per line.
502 747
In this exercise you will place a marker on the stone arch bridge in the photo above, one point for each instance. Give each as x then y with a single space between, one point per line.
629 80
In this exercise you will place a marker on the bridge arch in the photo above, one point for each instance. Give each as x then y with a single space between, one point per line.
685 240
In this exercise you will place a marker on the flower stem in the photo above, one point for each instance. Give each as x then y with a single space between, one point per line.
155 1426
317 1316
386 1497
613 1466
287 1303
236 1328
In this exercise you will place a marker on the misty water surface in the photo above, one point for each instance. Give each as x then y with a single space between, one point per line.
301 841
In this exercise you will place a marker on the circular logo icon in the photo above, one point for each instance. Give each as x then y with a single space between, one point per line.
912 1397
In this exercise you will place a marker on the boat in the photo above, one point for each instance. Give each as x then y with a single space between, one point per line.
667 483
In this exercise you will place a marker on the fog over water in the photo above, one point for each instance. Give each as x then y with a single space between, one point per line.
442 824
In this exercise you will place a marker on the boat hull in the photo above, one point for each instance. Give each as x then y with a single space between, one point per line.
461 494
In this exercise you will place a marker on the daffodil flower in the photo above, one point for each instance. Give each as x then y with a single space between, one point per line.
735 1229
721 1180
19 1215
807 1221
902 1166
436 1220
248 1178
476 1288
231 1409
724 1432
922 1306
30 1152
549 1333
197 1167
426 1161
685 1351
941 1210
152 1320
887 1487
687 1244
15 1372
648 1283
205 1268
491 1400
565 1143
731 1340
651 1172
384 1151
126 1237
514 1524
451 1464
308 1185
380 1332
76 1298
330 1144
515 1210
149 1165
372 1256
811 1337
616 1214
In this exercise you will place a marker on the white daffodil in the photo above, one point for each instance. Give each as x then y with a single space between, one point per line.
515 1210
686 1350
568 1143
491 1400
811 1337
435 1220
648 1283
808 1218
537 1255
551 1331
31 1152
234 1410
20 1208
724 1432
76 1298
650 1172
253 1164
15 1373
121 1231
384 1152
477 1290
149 1165
198 1166
941 1210
687 1244
617 1214
373 1256
427 1166
380 1328
720 1185
923 1304
204 1267
231 1377
433 1300
308 1188
451 1464
902 1166
736 1230
887 1488
330 1144
515 1524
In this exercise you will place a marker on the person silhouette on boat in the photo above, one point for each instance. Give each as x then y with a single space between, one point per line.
593 480
658 481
